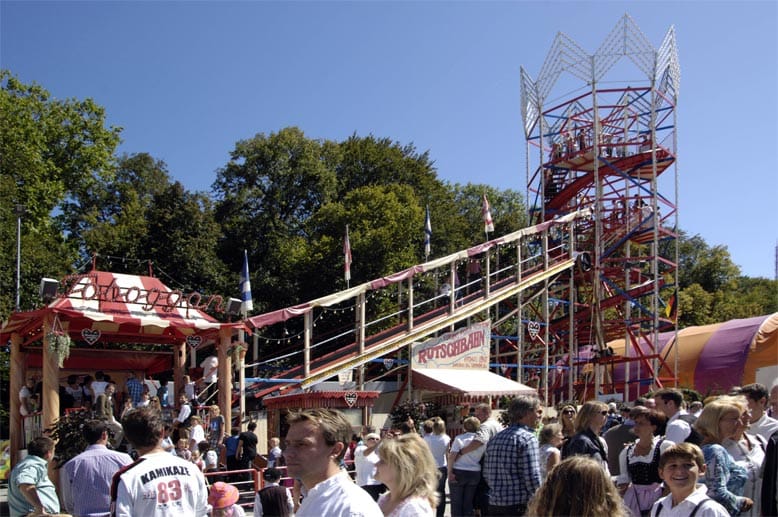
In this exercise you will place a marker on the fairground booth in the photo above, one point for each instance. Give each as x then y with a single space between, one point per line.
453 372
116 323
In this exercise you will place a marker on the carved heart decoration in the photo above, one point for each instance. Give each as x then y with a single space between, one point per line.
534 329
90 335
194 341
351 398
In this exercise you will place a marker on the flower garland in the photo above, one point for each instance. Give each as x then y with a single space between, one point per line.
59 345
237 351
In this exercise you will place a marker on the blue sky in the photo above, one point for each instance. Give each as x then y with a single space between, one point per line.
186 80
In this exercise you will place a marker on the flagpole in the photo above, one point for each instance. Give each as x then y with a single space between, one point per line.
246 305
427 235
347 260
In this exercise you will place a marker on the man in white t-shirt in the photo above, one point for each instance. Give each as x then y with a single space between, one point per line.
761 424
315 444
158 483
98 385
26 399
210 366
365 458
489 428
669 401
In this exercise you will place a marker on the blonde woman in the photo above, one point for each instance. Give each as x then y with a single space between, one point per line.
724 478
587 441
748 451
578 486
438 442
550 440
406 466
567 418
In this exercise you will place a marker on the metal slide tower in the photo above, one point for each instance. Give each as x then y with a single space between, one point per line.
608 145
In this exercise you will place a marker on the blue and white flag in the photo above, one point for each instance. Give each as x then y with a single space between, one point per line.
427 234
247 304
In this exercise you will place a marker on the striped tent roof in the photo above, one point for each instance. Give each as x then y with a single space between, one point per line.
120 308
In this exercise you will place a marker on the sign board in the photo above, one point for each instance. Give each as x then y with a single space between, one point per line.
464 348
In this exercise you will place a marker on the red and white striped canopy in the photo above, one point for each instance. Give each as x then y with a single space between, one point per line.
122 308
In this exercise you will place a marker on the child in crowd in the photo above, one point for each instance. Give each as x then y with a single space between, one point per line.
182 449
190 389
273 499
680 466
197 459
167 442
222 499
210 459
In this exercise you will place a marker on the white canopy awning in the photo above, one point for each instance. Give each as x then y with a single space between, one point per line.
477 383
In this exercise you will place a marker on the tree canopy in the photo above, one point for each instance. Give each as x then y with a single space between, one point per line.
284 197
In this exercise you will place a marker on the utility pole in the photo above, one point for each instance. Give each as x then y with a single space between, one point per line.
19 211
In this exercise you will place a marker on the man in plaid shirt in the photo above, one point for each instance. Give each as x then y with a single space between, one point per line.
512 467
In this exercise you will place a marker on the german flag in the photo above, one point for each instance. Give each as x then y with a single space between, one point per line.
671 308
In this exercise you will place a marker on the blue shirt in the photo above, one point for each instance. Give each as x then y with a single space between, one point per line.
724 478
32 470
162 395
511 466
86 481
231 445
135 389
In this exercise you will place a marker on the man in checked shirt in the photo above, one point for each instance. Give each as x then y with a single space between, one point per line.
512 468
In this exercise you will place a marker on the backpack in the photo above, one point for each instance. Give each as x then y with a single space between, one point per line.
694 436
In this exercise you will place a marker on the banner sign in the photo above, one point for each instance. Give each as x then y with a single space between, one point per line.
464 348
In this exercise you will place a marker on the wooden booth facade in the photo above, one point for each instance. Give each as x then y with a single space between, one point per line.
90 315
355 405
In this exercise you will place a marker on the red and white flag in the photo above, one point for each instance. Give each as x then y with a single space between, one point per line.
347 258
487 215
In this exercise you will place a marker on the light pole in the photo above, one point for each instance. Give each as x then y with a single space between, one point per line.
19 211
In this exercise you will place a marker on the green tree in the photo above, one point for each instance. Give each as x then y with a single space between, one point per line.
115 214
51 151
183 241
266 193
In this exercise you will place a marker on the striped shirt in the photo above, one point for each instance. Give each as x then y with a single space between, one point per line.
86 480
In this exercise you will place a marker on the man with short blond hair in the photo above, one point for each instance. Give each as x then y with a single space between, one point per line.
315 444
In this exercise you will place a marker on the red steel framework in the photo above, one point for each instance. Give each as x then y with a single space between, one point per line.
610 149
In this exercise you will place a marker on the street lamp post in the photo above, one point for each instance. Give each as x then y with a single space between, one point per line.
19 211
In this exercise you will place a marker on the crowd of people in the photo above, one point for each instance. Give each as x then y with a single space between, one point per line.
648 459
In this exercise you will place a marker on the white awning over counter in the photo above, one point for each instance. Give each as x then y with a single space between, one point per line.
476 383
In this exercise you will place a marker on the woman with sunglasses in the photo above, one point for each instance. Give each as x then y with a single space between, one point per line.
639 481
587 440
567 419
748 451
724 478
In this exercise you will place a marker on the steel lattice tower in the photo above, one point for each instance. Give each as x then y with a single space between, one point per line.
609 146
